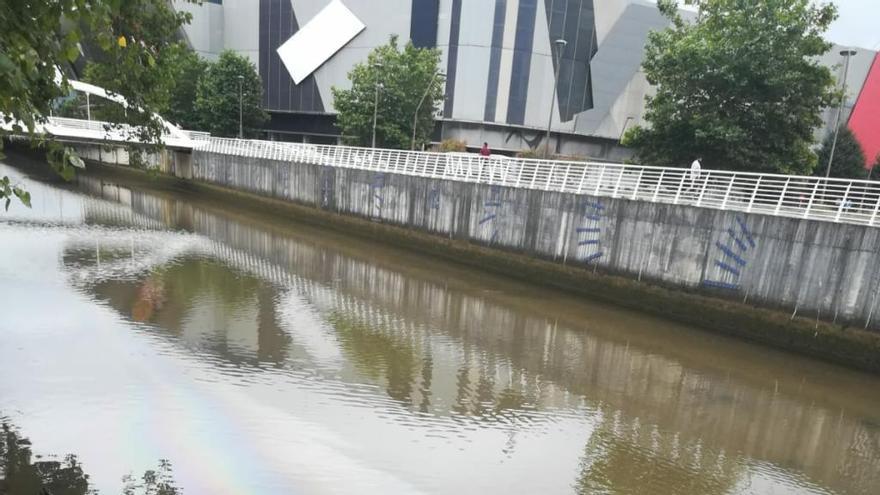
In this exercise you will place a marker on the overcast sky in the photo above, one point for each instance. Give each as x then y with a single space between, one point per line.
858 23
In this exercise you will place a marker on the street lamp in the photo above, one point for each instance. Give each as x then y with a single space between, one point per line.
437 75
240 97
379 86
560 46
846 54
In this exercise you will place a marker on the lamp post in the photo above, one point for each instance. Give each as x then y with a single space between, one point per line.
560 46
379 86
846 54
240 106
437 75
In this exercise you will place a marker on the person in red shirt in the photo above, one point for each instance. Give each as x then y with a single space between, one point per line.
484 151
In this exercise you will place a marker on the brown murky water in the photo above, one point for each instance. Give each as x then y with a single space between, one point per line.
261 356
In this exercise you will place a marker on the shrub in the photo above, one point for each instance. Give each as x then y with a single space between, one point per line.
452 145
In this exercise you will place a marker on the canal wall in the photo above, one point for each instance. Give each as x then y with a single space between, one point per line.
698 265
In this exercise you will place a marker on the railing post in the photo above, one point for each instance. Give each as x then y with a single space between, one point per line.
812 198
782 196
657 189
549 176
754 194
638 183
583 177
680 187
727 193
617 185
876 210
599 180
565 178
843 202
703 189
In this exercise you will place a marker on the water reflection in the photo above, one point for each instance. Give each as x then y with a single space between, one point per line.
437 371
23 473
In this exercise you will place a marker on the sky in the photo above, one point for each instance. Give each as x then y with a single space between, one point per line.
858 24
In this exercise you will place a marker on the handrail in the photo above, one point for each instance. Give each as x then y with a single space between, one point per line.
816 198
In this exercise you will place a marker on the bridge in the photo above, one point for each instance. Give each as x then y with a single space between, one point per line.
95 131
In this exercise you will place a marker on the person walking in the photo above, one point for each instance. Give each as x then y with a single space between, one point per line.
484 151
696 167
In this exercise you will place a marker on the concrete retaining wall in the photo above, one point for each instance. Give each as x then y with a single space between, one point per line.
809 267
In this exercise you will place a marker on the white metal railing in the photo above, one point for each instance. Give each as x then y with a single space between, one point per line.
835 200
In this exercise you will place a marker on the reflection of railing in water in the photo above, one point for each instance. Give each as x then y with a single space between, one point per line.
641 388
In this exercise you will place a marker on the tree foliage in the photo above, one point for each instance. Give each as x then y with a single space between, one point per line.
190 68
39 37
849 158
144 67
406 76
741 86
217 97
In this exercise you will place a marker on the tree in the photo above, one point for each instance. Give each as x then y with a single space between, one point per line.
146 78
37 38
191 68
740 86
406 76
849 159
217 97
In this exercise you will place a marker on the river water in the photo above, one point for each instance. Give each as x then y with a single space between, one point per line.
257 355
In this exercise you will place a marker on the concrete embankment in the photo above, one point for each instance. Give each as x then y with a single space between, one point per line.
739 274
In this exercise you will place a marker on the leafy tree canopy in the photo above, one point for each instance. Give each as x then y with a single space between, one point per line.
39 37
849 158
741 86
190 68
406 77
217 97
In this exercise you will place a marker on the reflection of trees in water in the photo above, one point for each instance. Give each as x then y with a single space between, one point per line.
23 473
629 458
492 358
405 361
168 294
378 355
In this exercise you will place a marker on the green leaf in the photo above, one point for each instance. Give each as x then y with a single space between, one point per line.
23 196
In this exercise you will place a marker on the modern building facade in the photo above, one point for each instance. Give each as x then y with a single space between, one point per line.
500 58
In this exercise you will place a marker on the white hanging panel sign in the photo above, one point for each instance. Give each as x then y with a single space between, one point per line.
318 40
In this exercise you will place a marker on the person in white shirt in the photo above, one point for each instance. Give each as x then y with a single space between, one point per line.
695 173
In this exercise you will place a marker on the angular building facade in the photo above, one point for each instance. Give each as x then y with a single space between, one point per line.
497 54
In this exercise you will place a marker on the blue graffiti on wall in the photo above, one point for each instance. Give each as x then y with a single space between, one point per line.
491 211
590 232
326 188
434 198
377 193
732 256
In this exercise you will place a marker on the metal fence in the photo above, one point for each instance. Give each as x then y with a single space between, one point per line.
836 200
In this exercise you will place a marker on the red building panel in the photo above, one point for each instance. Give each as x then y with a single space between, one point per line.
864 121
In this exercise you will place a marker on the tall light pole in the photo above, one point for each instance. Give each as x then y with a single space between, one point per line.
376 66
560 46
846 54
240 106
437 75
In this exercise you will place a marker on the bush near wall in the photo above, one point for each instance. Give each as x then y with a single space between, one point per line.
452 145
